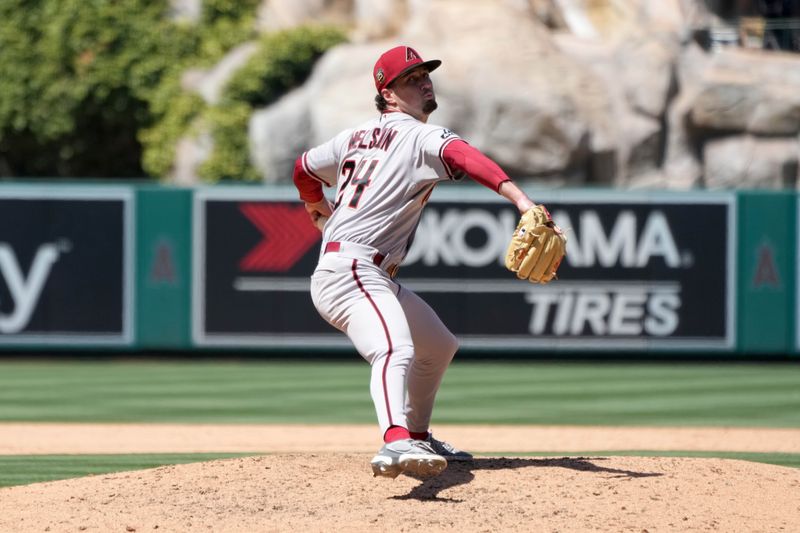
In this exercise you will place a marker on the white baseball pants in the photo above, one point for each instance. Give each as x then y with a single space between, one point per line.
402 338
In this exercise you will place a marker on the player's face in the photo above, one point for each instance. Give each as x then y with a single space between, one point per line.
413 94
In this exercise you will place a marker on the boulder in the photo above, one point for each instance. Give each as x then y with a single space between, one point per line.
672 16
744 103
341 90
327 103
615 21
288 120
378 19
681 163
185 11
767 66
276 15
645 67
749 91
626 103
525 109
753 162
641 147
211 82
601 92
191 151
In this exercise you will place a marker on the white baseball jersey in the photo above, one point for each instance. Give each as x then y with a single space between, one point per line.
384 170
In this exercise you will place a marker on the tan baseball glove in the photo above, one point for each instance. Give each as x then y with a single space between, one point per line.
537 246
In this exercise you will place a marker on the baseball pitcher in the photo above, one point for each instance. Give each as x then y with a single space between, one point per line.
384 171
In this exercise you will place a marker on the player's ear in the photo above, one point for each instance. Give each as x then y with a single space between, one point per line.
388 95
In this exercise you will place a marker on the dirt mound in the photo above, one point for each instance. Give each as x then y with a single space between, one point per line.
336 492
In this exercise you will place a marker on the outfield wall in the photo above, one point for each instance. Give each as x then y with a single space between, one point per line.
145 267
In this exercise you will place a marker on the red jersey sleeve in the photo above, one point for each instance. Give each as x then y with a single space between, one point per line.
458 155
309 187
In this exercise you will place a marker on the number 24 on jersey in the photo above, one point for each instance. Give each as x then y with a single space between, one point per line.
357 175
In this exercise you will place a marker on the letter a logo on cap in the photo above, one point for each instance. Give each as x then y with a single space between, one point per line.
396 62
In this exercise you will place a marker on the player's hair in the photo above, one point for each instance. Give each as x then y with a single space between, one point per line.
381 103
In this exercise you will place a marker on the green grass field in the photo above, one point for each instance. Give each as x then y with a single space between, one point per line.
657 394
25 469
337 392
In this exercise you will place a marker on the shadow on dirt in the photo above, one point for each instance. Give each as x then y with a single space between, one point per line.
461 473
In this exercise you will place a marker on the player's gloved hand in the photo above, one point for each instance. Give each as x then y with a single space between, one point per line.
319 212
537 246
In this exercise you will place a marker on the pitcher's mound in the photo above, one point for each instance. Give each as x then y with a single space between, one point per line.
336 492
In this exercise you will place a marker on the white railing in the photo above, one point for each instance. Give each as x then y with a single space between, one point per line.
756 32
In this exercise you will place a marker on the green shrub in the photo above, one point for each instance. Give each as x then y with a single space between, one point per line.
160 140
283 61
76 79
230 159
81 81
225 24
92 89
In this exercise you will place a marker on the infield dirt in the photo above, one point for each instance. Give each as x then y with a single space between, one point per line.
335 491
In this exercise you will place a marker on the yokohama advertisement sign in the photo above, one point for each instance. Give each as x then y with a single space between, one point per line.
641 272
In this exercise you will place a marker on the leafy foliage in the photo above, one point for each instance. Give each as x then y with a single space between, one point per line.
230 159
76 79
283 61
177 110
93 89
225 24
80 79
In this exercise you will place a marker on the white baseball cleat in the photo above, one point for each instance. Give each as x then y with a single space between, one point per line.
415 457
447 450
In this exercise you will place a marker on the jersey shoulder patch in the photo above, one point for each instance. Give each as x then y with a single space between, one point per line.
446 133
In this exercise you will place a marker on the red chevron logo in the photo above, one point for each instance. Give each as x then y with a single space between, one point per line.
287 235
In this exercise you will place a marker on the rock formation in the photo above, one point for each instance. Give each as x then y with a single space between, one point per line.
617 93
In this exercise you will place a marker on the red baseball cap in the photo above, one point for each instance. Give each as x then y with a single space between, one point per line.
396 62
